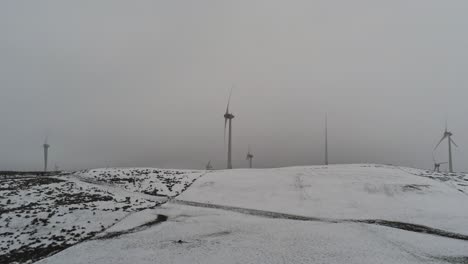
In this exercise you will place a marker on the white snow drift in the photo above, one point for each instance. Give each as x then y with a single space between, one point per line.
249 220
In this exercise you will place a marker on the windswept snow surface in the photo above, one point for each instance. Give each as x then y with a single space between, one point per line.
41 215
210 236
458 180
340 192
289 215
158 182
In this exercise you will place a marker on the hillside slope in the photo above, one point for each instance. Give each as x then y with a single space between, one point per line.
317 214
152 181
41 215
339 192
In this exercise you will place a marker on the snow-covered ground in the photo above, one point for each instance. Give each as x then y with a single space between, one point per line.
47 214
210 236
340 192
457 180
158 182
316 214
40 215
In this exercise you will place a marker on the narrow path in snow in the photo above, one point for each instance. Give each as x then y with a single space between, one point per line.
114 189
159 219
393 224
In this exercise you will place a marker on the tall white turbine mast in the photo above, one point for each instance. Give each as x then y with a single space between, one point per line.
448 135
326 139
46 152
249 157
228 117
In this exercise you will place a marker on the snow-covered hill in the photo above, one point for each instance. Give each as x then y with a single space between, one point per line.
158 182
341 192
212 236
318 214
40 215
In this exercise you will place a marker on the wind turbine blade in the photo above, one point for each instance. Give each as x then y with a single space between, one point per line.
454 143
229 100
440 141
433 157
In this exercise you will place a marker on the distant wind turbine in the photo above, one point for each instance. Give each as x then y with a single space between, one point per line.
448 135
249 157
228 117
46 152
208 166
326 139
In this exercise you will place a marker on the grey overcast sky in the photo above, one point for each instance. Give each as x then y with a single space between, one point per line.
145 83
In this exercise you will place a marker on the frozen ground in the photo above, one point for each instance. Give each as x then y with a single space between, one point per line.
40 215
456 180
341 192
158 182
335 214
201 235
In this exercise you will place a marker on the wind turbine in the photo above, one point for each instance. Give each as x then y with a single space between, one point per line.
46 150
208 166
326 139
249 157
448 135
228 117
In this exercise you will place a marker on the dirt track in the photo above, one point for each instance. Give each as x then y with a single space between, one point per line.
392 224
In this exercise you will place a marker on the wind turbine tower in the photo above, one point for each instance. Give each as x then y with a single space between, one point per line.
448 135
249 157
228 118
46 152
326 139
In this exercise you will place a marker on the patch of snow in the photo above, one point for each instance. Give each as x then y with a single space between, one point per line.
152 181
354 191
200 235
38 214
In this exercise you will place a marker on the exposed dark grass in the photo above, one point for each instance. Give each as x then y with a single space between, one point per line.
160 218
454 260
26 183
31 254
414 228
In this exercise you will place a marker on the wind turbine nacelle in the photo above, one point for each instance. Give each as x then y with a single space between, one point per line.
46 145
228 116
